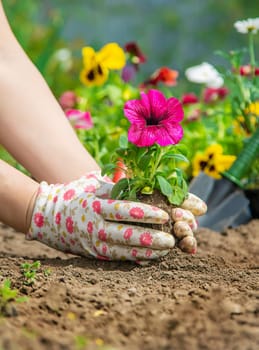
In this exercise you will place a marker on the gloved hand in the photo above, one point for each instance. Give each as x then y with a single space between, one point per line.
79 218
185 224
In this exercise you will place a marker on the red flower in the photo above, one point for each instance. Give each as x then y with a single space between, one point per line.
214 94
136 213
69 224
97 207
163 75
247 70
58 218
119 172
146 239
69 194
38 219
136 54
189 98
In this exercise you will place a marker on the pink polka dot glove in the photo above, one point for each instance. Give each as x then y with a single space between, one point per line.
78 218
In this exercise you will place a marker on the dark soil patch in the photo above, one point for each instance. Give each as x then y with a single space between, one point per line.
183 302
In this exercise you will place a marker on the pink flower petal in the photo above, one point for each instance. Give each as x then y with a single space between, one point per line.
79 119
170 134
175 110
157 103
135 112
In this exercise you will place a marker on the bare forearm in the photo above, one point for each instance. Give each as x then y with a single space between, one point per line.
17 193
33 127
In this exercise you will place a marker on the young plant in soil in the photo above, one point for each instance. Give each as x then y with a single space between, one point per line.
29 272
145 164
7 297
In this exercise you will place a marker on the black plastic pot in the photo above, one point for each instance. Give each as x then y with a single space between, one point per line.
253 196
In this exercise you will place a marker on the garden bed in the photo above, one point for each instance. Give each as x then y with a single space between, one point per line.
206 301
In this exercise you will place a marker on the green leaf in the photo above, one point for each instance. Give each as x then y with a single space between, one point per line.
108 168
164 185
175 156
119 187
177 197
144 162
140 153
121 152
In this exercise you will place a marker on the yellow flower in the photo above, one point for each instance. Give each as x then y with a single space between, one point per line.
212 162
97 64
253 108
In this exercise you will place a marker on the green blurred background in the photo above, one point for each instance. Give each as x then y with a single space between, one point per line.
174 33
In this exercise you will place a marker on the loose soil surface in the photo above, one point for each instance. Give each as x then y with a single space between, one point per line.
206 301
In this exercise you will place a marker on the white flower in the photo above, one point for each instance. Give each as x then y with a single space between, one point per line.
64 57
206 74
247 26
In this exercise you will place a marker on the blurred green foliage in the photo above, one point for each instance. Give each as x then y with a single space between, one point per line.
170 33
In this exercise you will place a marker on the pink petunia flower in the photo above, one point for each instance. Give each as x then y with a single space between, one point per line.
154 119
79 119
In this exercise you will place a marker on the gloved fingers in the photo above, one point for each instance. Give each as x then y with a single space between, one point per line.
117 252
194 204
121 210
187 242
179 214
181 229
188 245
130 235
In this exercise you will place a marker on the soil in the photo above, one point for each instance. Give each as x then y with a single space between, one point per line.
205 301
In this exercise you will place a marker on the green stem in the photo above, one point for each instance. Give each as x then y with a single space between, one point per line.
252 52
158 156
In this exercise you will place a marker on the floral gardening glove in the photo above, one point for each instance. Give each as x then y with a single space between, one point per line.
78 218
185 224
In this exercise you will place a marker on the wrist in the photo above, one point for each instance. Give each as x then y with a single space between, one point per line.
29 211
